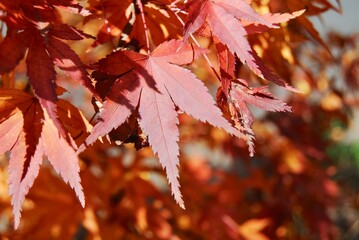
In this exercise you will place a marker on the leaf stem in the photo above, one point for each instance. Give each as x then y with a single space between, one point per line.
175 2
108 28
174 8
140 6
197 44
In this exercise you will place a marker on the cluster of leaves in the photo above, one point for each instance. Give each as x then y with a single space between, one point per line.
141 85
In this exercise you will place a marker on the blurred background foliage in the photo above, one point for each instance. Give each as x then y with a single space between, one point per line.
301 183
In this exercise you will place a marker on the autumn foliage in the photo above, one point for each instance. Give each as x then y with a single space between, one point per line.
127 100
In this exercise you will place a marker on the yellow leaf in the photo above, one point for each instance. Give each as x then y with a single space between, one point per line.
251 229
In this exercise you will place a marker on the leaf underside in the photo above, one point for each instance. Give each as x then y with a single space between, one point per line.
149 87
29 133
155 86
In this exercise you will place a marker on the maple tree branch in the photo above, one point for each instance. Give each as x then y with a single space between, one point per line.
198 45
140 6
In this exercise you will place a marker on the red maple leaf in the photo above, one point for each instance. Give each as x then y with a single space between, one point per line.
258 97
227 20
235 94
154 86
124 16
33 27
27 131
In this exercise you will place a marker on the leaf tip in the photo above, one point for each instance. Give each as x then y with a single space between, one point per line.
82 201
292 89
180 201
80 193
17 216
298 13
